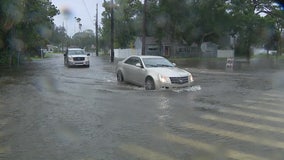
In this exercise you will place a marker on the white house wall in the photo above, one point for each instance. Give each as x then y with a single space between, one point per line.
123 53
225 53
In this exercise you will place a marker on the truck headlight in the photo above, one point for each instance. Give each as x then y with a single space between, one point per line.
70 58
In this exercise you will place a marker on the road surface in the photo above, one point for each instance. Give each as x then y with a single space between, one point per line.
53 112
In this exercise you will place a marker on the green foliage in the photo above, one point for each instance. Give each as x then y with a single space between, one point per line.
85 39
59 37
250 22
194 21
127 22
255 22
25 26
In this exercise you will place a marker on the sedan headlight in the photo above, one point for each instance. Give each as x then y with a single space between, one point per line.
164 79
190 78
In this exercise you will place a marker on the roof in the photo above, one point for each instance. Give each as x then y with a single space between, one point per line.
165 40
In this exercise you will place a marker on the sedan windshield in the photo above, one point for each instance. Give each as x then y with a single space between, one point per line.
156 62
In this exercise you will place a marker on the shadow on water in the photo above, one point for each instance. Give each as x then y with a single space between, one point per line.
204 107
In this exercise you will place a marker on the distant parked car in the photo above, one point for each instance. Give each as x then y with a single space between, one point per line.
76 57
152 72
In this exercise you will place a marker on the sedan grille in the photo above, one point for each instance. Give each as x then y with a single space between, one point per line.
179 80
78 58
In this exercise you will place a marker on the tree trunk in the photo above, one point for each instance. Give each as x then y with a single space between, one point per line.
144 28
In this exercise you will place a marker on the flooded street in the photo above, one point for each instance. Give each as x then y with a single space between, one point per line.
53 112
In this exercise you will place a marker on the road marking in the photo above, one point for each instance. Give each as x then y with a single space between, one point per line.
244 124
87 159
265 103
278 95
252 115
2 134
259 108
143 153
210 148
193 143
272 99
238 136
2 105
4 122
5 150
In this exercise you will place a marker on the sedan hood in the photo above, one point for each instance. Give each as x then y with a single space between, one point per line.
169 71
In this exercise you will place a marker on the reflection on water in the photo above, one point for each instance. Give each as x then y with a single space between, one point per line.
165 103
134 87
67 133
164 107
189 89
46 84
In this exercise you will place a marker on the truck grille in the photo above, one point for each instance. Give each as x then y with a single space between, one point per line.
179 80
78 58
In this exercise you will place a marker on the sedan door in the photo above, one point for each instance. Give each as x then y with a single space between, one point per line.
133 73
140 72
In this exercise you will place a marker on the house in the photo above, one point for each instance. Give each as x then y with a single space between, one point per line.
51 48
209 49
152 46
166 47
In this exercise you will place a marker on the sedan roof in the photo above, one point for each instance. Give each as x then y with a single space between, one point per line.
146 56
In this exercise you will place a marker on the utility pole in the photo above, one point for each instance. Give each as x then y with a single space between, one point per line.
144 28
97 39
111 33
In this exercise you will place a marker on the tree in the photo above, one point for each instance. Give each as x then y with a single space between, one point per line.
126 14
167 20
105 31
59 37
187 20
19 17
250 21
275 24
85 39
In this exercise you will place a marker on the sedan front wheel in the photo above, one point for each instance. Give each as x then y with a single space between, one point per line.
149 84
119 76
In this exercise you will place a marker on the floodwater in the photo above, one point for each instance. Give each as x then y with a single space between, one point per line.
49 112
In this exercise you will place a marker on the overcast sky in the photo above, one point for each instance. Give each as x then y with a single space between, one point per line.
84 9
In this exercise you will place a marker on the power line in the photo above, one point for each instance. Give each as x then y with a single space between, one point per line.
88 12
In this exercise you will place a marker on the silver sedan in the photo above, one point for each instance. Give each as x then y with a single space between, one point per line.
152 72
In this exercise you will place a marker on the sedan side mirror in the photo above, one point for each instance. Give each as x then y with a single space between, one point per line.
138 65
88 54
174 64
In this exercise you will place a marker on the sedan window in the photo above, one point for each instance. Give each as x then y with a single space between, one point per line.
157 62
133 61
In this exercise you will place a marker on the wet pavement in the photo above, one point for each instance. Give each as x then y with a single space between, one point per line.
53 112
